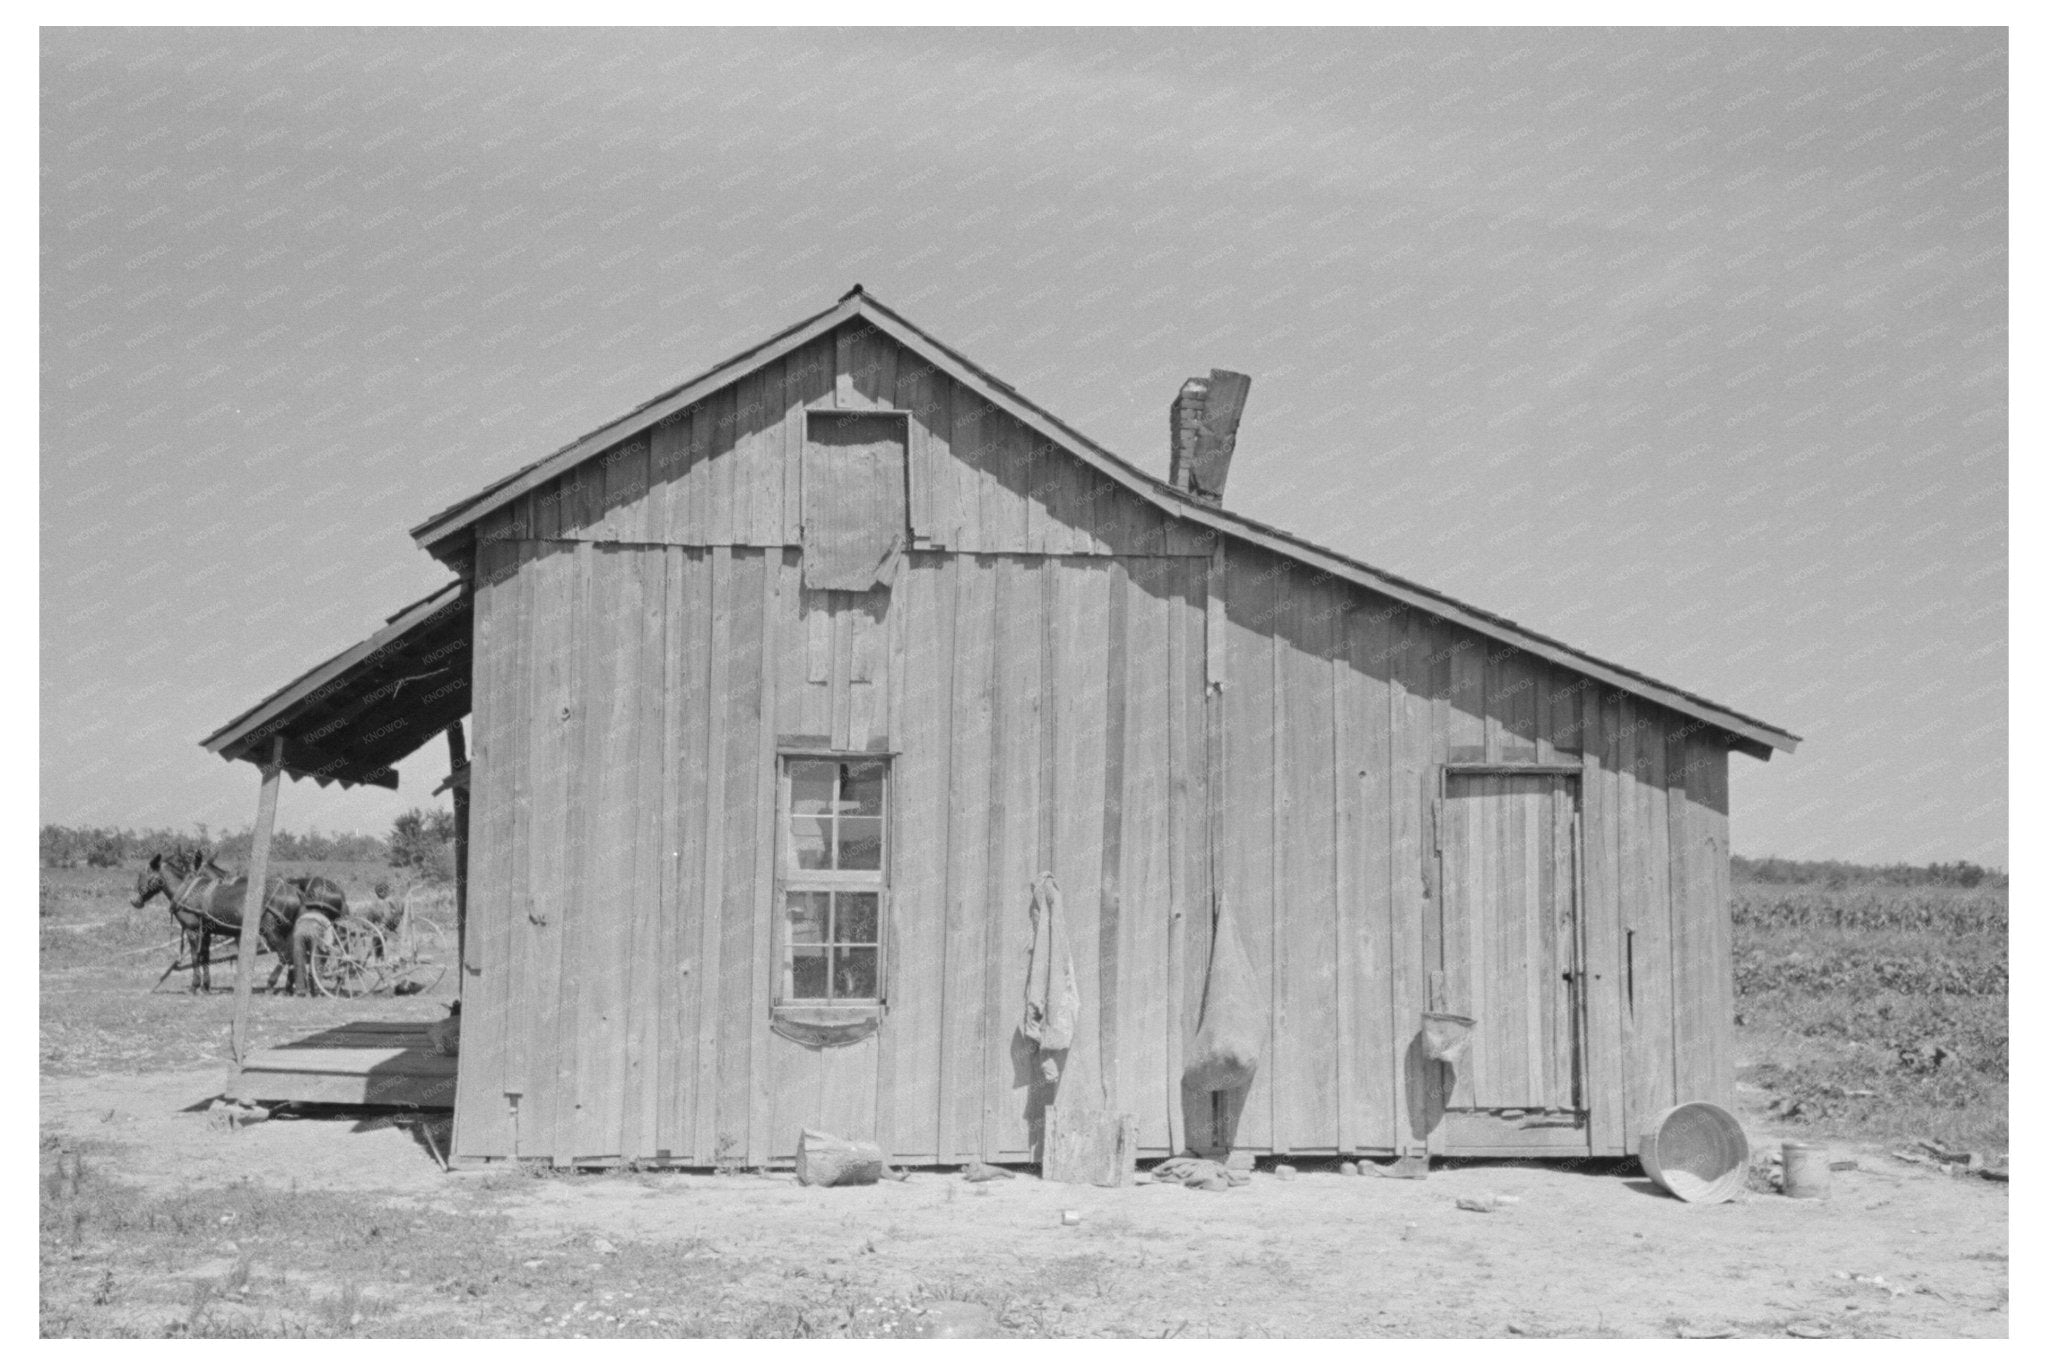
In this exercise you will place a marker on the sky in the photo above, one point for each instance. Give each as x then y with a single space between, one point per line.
1688 347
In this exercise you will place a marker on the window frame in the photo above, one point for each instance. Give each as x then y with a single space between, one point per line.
791 878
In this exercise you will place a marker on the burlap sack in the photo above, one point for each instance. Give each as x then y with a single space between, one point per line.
1226 1049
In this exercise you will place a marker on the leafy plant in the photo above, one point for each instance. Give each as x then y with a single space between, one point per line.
1878 1007
423 843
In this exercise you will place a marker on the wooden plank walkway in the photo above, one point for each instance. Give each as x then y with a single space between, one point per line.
366 1062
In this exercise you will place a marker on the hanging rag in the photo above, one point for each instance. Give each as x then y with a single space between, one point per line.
1225 1052
1052 1000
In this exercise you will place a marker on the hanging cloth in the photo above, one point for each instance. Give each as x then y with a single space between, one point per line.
1052 1000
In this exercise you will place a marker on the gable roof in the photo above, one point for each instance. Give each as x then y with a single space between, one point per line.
436 533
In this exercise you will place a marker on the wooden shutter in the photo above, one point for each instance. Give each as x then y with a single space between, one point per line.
856 513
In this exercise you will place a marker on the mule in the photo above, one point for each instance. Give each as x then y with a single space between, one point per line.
206 901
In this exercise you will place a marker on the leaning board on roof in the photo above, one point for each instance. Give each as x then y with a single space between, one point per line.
789 685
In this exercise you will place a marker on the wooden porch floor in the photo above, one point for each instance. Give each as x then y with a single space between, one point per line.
366 1062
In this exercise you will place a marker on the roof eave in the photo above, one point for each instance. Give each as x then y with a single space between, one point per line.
1746 733
244 738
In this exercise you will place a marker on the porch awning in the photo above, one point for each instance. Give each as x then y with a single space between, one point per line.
351 719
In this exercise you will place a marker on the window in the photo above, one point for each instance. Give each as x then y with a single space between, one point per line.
834 878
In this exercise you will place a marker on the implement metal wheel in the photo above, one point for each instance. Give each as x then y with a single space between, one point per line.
349 959
419 957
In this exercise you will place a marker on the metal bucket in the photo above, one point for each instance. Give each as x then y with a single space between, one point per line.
1806 1171
1696 1151
1444 1036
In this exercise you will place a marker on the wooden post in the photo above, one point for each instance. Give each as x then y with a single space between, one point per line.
252 902
1088 1146
460 793
1213 1126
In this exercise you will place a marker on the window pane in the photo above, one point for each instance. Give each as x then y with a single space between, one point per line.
853 974
860 789
860 842
808 840
857 918
810 786
807 973
807 916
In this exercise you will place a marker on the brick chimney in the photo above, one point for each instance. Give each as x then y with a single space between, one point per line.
1203 432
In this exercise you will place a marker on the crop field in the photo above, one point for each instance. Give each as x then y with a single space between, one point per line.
1876 1011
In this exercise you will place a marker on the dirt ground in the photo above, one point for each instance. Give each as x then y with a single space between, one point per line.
1898 1251
346 1225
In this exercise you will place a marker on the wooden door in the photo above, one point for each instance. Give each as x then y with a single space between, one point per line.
1510 941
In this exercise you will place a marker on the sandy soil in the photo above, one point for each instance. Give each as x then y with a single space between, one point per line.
1898 1251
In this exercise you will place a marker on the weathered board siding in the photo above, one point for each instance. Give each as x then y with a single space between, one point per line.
729 470
1341 711
625 903
1067 680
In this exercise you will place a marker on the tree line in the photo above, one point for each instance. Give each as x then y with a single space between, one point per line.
1796 872
421 842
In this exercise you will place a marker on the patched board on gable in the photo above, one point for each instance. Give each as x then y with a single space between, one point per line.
728 470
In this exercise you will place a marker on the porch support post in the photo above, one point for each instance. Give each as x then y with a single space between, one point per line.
460 792
252 902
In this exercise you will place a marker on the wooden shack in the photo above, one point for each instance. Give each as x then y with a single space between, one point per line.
786 685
